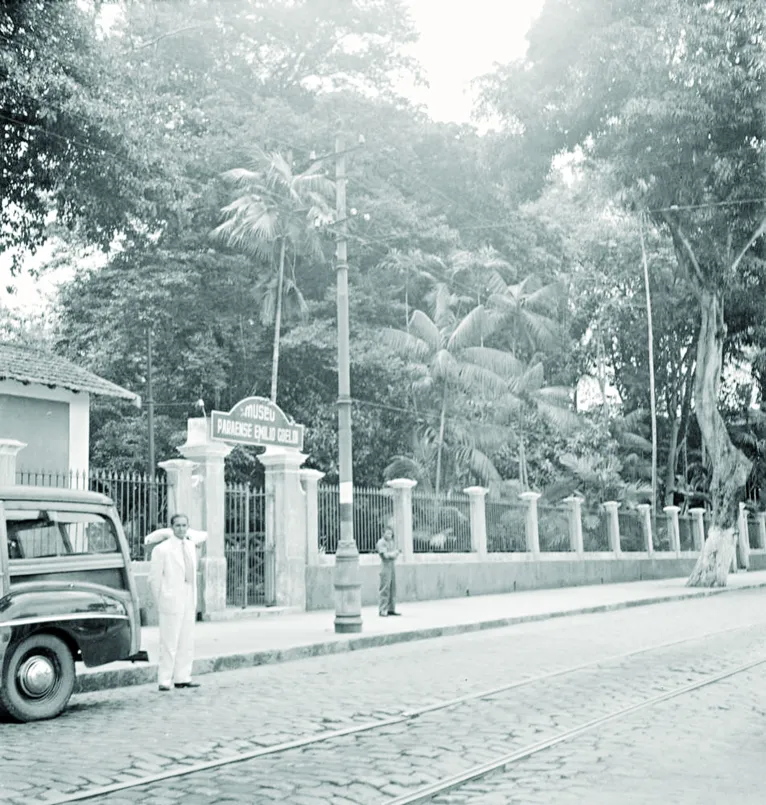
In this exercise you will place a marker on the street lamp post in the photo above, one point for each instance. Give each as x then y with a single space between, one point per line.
347 583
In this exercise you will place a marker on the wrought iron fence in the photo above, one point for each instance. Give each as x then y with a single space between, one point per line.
686 532
506 529
441 523
632 537
250 561
373 510
141 500
553 528
752 532
595 529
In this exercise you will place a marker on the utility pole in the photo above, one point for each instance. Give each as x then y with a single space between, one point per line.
150 417
347 582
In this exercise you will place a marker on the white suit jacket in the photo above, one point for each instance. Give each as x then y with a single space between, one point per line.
167 575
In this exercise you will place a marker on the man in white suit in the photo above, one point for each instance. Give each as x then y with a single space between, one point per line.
173 582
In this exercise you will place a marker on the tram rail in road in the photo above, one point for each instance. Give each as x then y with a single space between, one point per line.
429 792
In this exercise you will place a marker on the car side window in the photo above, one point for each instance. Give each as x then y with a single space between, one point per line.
41 534
88 533
33 535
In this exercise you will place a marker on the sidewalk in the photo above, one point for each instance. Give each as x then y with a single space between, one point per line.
225 645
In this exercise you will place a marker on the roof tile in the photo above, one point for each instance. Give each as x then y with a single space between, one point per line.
31 365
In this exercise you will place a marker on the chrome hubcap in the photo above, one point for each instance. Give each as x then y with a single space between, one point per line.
37 676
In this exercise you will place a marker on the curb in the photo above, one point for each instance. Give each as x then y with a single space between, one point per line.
146 674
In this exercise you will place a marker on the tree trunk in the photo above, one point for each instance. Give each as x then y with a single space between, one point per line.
650 345
277 323
730 467
670 467
440 446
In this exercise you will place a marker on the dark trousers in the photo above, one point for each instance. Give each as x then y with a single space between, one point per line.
387 588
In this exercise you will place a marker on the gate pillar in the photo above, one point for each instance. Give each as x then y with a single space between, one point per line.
286 523
9 448
210 456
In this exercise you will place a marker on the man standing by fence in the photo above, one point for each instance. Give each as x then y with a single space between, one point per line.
173 582
388 552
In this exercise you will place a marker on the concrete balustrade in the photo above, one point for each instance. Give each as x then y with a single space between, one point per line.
743 537
698 518
645 510
532 524
613 524
674 531
303 576
310 480
402 524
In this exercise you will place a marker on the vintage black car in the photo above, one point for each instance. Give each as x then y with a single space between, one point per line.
66 594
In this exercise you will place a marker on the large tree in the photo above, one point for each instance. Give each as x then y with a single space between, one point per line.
671 96
66 144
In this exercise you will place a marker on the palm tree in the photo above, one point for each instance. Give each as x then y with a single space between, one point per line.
276 211
436 347
413 264
526 309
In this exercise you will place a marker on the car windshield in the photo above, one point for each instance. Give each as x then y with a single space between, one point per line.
45 533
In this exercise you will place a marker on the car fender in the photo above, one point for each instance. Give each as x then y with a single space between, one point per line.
94 619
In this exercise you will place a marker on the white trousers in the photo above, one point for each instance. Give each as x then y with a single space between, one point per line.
177 641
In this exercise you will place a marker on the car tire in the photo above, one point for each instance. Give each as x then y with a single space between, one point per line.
38 678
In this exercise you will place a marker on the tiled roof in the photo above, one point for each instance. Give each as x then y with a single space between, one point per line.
30 365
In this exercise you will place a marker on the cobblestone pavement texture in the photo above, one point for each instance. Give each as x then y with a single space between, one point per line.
704 748
131 733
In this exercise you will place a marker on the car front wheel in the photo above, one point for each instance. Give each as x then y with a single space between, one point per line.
38 679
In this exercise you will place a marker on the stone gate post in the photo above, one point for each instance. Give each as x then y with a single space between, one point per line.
180 497
575 525
698 518
286 523
403 514
611 507
761 530
311 479
476 496
674 529
209 456
743 537
9 449
532 527
646 523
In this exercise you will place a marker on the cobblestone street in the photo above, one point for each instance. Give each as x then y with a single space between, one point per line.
709 739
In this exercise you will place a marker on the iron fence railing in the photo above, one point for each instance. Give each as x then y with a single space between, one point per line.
250 561
632 537
141 500
506 529
373 510
752 532
441 523
686 532
553 528
595 529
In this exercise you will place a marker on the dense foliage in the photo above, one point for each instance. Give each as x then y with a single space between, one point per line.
489 273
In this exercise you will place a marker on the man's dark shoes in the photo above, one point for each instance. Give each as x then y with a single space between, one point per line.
187 684
395 614
164 688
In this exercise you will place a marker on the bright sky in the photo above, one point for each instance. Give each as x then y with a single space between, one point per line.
459 40
463 39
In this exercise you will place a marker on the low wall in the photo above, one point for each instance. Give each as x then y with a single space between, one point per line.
432 576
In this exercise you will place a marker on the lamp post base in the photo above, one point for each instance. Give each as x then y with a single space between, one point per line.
348 625
348 589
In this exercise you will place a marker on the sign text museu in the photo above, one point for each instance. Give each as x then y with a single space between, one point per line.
256 421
